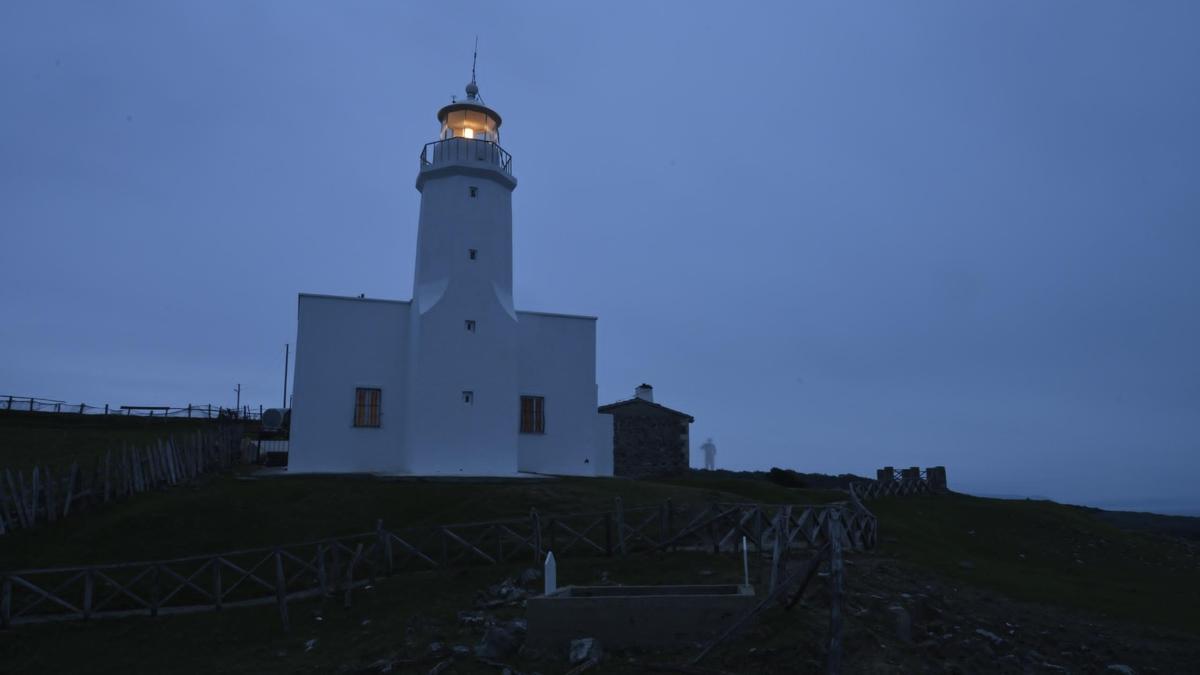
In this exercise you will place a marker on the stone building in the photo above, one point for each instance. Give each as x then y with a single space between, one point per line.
649 439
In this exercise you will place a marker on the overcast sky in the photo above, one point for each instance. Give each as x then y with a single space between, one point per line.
840 234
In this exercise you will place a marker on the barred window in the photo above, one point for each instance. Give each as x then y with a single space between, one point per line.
533 415
366 407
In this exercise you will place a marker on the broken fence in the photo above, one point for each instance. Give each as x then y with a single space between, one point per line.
337 565
48 496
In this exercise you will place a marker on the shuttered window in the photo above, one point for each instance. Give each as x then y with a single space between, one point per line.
533 415
366 407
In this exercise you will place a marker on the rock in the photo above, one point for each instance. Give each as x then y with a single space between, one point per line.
472 619
966 565
529 576
585 649
501 640
1120 668
436 648
996 640
461 650
309 644
902 622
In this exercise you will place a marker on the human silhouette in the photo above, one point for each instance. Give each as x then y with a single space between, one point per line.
710 455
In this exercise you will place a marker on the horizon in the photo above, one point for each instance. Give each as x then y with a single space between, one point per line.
959 234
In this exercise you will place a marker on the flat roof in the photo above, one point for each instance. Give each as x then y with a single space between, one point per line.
561 316
324 296
353 297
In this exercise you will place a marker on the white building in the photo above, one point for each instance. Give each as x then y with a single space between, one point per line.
456 381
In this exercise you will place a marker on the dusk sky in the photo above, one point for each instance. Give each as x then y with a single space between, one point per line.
842 235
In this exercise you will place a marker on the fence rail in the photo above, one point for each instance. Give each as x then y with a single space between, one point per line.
48 496
191 410
337 565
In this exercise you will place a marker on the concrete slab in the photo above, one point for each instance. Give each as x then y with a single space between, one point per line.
634 616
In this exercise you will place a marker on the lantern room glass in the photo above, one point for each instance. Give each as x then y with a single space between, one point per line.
474 124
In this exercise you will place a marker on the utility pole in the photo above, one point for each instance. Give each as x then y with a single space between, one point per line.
239 398
287 355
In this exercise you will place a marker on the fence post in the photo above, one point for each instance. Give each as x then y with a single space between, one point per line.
664 522
385 545
9 403
836 579
6 602
281 591
322 576
337 566
217 591
608 528
89 583
620 527
536 522
80 408
189 411
154 591
712 528
776 552
106 409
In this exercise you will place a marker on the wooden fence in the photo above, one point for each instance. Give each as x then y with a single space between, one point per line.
875 489
335 566
190 411
48 496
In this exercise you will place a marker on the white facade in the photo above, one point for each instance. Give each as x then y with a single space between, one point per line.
457 381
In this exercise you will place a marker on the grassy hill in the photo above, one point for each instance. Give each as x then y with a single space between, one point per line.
55 440
1045 552
231 512
1069 572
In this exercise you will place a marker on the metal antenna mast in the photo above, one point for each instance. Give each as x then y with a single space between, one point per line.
474 58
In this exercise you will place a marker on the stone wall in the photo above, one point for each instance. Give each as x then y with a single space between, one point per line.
649 446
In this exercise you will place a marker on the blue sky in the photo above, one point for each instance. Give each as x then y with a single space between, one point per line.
842 235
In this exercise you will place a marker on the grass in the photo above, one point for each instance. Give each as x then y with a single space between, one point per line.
1046 552
29 439
753 488
1028 550
231 512
401 616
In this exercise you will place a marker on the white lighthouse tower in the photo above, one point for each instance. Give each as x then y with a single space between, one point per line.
463 326
457 381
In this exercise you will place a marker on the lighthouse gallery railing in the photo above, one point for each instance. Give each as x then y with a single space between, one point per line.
452 150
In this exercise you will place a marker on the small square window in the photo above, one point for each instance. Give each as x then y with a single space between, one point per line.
366 406
472 253
470 323
533 415
474 190
468 397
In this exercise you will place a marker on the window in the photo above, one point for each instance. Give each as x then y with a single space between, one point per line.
474 191
468 397
533 415
470 325
366 407
472 253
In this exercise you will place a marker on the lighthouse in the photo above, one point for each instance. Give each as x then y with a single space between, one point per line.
456 381
463 324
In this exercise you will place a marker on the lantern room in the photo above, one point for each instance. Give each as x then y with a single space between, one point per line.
470 119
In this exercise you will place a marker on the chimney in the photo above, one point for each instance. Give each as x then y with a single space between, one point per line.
644 392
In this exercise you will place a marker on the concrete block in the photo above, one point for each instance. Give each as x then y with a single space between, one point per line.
634 616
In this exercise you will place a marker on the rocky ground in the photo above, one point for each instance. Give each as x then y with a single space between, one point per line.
898 620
